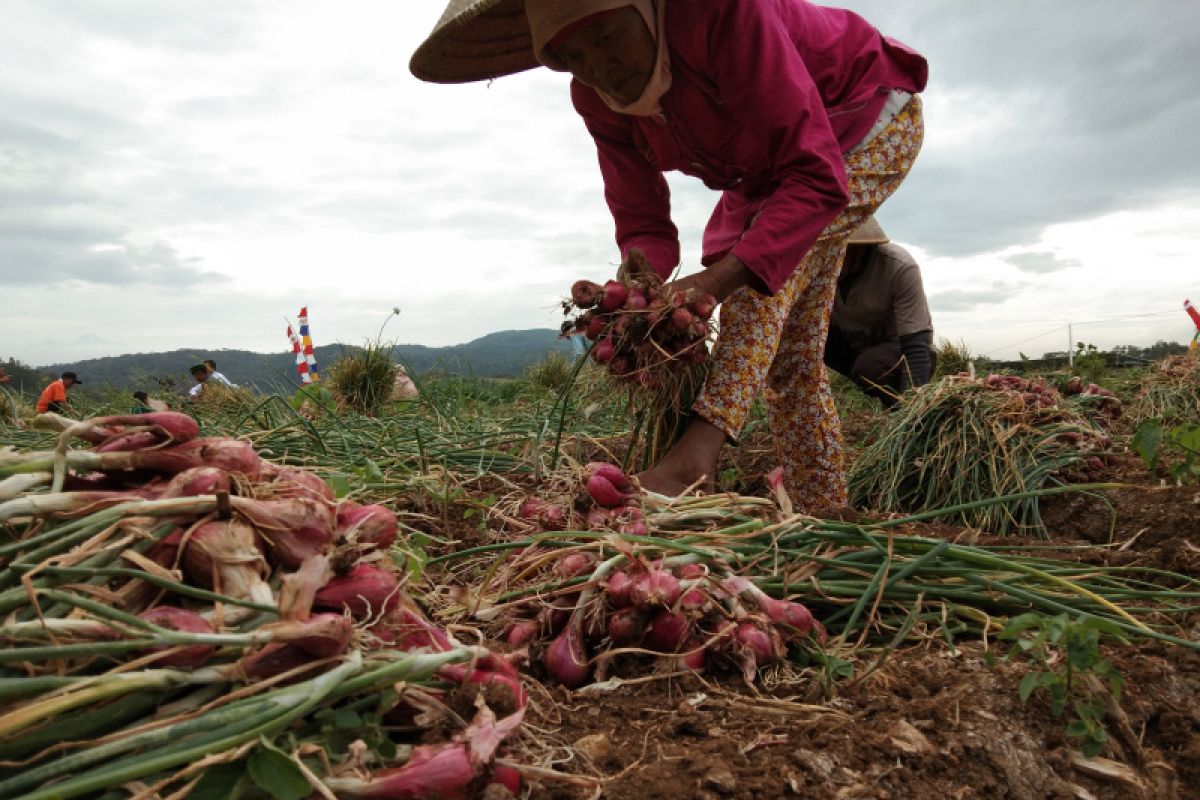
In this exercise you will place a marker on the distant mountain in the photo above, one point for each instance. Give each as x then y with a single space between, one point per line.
496 355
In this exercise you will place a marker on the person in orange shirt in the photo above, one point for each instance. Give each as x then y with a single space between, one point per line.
54 396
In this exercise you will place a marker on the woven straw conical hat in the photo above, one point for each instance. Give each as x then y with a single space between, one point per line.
476 40
869 233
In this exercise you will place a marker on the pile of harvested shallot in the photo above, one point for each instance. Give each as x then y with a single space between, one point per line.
181 614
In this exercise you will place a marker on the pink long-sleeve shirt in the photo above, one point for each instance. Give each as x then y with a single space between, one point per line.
766 97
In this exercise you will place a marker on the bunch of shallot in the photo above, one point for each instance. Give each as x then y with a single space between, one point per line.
607 500
641 331
688 615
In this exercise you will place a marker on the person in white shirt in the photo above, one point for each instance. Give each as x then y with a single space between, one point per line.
216 376
200 373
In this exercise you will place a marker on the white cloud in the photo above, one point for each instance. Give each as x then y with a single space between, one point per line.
179 175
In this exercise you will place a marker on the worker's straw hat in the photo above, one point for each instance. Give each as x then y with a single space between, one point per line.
476 40
869 233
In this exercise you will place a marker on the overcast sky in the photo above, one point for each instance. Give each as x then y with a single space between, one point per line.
188 174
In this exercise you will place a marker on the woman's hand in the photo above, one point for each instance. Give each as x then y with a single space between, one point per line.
720 279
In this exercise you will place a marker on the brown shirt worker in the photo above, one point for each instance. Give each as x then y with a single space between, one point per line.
881 333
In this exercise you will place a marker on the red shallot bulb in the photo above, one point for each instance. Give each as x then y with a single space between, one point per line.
293 529
224 556
625 626
566 658
655 588
197 481
370 524
585 294
179 619
666 631
615 295
366 590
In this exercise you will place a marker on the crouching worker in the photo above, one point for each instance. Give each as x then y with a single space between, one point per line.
880 332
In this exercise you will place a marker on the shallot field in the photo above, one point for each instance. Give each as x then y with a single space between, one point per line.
466 594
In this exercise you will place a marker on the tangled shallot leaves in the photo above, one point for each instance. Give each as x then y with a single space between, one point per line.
366 591
180 619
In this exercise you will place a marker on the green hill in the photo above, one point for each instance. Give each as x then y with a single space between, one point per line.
497 355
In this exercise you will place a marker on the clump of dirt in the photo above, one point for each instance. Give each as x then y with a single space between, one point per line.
931 724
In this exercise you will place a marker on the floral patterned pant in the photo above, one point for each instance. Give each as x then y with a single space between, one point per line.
775 343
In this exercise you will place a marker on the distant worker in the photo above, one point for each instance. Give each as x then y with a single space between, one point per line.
216 376
881 332
200 374
54 396
403 387
4 376
141 403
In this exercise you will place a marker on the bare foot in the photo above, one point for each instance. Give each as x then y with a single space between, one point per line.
692 461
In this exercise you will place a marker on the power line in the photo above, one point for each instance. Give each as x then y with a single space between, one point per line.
1129 316
1030 339
1083 322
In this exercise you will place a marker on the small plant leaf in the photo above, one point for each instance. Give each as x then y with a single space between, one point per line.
277 775
1019 624
1187 437
218 781
1030 682
1147 441
347 719
1078 728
